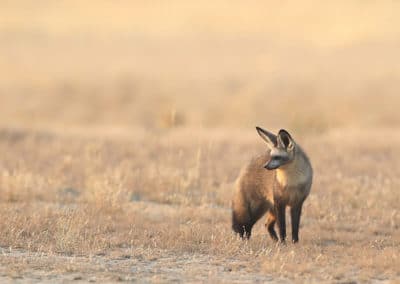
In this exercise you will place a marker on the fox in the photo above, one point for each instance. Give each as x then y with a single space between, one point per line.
280 177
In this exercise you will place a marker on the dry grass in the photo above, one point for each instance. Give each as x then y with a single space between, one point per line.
124 125
172 196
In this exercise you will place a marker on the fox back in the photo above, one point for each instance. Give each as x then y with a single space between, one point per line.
272 181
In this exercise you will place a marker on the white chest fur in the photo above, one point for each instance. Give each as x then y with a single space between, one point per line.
292 176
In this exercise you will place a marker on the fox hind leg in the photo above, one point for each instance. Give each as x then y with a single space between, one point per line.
270 224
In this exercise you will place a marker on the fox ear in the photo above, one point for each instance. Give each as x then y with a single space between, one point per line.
267 136
285 140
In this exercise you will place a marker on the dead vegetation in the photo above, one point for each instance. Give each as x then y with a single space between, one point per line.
116 197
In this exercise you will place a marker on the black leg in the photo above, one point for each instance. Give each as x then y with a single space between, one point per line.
280 210
295 213
271 231
270 224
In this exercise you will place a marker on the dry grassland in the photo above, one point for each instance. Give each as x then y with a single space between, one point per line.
156 207
124 125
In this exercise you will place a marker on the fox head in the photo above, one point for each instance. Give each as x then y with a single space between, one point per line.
282 148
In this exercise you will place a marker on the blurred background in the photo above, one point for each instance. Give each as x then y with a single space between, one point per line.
118 65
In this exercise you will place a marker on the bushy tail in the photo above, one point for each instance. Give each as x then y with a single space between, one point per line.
244 217
242 222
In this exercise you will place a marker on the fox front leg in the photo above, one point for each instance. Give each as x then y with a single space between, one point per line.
295 213
280 211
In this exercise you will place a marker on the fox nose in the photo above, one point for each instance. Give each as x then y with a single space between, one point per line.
269 166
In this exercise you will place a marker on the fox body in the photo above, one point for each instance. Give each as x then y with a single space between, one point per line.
277 179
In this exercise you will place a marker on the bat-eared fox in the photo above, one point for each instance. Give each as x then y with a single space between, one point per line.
272 181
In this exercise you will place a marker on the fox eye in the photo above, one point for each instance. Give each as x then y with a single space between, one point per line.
278 158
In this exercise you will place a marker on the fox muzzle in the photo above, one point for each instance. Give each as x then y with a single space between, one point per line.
271 165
